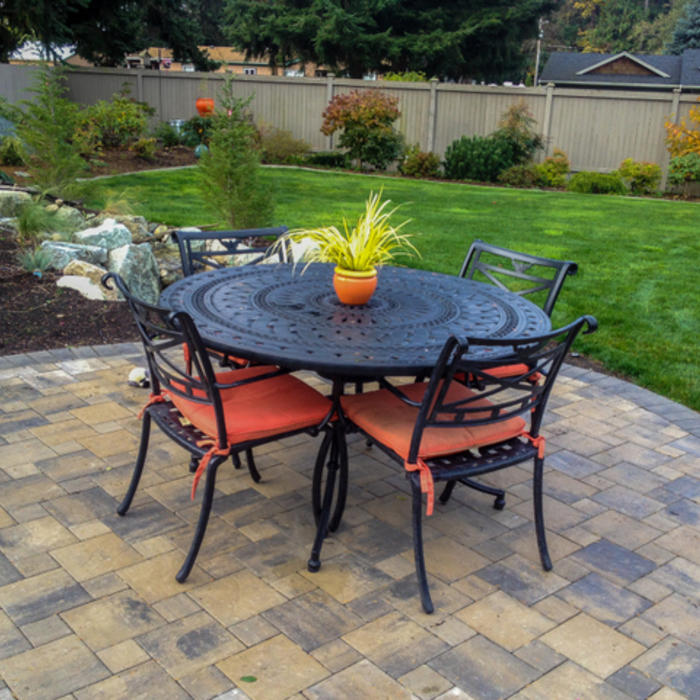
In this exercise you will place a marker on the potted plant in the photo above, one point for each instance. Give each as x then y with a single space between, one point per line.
357 251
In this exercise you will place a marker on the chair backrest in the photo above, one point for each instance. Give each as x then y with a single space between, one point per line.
200 249
517 272
522 395
163 333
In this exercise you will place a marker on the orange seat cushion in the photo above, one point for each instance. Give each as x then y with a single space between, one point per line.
260 409
390 421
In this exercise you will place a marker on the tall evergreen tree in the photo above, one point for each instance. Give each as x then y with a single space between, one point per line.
686 35
454 39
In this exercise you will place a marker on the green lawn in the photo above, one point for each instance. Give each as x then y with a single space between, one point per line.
638 258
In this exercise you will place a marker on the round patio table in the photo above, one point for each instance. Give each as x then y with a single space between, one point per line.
286 315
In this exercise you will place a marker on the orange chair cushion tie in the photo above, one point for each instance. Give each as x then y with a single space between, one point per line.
204 462
153 398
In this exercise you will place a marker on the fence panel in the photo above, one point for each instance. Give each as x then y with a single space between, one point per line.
15 82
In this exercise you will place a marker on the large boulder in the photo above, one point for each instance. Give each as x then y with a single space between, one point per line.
11 201
137 266
62 253
109 234
85 286
68 218
137 225
94 273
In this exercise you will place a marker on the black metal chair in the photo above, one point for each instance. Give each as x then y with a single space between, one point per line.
212 249
212 415
442 430
520 273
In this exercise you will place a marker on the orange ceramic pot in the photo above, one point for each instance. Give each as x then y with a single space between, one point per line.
205 106
354 287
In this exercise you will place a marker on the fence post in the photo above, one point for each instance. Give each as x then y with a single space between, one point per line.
329 97
675 104
432 114
139 86
547 126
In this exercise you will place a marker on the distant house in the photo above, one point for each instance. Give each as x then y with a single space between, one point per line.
230 60
623 71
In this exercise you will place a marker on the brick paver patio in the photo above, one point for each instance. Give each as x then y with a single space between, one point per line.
90 607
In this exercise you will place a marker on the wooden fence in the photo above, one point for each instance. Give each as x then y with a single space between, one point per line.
597 129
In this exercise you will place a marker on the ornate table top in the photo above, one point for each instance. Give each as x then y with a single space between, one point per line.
276 314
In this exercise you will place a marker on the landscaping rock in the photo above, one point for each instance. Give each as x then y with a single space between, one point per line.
86 287
80 268
11 201
138 268
62 253
69 218
137 225
169 263
109 234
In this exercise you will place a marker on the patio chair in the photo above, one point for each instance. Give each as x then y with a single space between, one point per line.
213 249
212 415
201 250
442 430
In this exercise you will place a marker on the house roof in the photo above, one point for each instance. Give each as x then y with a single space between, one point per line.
624 70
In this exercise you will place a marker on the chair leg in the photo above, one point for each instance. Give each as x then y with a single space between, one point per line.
314 563
539 515
447 491
500 494
236 460
317 482
254 473
418 549
194 463
138 467
201 528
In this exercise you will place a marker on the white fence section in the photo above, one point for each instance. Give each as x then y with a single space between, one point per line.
597 129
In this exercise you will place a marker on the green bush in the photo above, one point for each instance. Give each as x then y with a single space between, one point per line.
46 131
117 122
641 177
589 182
145 147
520 176
278 146
229 172
480 158
9 111
328 159
168 135
196 131
517 127
553 170
366 120
417 163
407 76
32 221
33 259
11 151
685 168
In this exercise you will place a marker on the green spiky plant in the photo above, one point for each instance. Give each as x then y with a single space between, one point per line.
371 242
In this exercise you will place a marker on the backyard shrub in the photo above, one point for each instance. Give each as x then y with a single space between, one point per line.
480 158
279 146
589 182
685 168
365 118
417 163
682 138
519 176
11 151
9 111
407 76
34 259
145 147
196 130
328 159
46 131
517 127
116 122
168 135
641 177
553 170
34 222
229 171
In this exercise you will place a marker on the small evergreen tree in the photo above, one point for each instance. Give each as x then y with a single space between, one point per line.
686 35
46 130
229 173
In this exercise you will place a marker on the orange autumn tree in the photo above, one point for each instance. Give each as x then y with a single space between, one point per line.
682 139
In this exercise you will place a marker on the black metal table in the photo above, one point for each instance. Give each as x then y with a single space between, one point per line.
277 314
